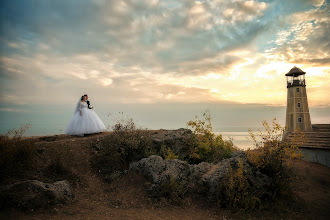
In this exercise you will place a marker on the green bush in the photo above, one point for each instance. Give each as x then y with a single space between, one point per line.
207 146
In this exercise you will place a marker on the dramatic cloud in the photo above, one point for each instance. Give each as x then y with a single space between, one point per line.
152 51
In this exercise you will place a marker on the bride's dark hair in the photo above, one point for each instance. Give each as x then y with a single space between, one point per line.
82 98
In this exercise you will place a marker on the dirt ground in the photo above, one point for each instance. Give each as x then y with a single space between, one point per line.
127 198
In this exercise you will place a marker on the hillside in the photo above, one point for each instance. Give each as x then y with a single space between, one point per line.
127 198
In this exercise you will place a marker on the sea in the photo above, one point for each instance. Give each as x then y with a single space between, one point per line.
229 120
240 139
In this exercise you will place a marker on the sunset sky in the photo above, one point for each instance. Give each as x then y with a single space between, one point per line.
161 52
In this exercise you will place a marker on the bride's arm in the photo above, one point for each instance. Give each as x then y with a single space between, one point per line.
80 109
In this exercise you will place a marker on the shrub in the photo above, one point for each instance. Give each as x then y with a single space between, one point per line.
173 191
116 151
207 146
236 192
167 153
273 157
16 153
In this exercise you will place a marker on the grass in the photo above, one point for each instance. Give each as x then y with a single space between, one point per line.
17 155
23 159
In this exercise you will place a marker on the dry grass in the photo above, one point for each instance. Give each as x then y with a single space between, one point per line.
115 151
17 155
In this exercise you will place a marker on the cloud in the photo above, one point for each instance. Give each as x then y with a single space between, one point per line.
148 34
242 11
161 51
306 40
11 110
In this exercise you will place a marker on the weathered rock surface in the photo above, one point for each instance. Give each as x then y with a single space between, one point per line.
204 176
175 139
33 194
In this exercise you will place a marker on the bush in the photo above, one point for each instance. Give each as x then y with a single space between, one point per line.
167 153
173 191
207 146
236 191
17 154
274 157
123 145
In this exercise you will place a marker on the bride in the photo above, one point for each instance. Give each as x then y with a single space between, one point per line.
84 120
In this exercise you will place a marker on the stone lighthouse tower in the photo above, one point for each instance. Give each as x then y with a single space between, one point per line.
297 111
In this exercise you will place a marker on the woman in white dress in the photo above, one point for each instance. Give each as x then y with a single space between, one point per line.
84 120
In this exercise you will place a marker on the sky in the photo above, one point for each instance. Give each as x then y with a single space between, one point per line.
149 57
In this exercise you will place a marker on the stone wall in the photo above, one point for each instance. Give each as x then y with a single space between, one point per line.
321 156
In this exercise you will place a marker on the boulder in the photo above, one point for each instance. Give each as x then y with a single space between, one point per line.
33 194
204 176
177 140
159 171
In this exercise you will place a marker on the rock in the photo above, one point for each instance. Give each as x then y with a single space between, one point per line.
205 176
159 171
176 140
33 194
212 178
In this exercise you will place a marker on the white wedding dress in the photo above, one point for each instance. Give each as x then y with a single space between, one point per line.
87 123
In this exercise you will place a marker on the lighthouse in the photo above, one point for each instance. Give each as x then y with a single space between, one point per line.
316 146
297 111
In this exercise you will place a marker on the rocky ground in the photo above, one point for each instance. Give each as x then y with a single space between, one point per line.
127 196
